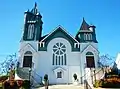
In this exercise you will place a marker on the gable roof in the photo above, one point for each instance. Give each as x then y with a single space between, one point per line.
28 45
58 67
89 46
61 28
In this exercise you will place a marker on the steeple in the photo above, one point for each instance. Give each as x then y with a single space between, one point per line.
84 25
33 25
86 33
35 9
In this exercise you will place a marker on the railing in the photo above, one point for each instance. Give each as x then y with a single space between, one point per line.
93 76
86 85
37 81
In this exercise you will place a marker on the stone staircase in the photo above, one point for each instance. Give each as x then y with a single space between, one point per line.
23 73
26 74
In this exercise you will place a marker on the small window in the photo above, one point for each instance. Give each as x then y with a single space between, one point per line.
59 74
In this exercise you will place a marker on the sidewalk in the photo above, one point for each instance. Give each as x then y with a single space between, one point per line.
63 87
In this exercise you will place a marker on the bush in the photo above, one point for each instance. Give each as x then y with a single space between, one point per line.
111 83
45 77
75 76
3 78
26 84
97 83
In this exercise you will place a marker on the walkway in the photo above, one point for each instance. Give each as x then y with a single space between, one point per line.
63 87
69 87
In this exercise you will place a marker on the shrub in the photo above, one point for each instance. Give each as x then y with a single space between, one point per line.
26 84
45 77
97 83
111 83
75 76
3 78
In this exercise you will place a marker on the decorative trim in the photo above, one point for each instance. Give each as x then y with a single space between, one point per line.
58 67
31 21
85 31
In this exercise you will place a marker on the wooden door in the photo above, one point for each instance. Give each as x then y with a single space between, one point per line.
27 61
90 62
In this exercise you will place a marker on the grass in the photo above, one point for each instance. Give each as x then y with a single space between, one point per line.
0 85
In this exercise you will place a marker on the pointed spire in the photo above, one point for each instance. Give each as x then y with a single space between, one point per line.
35 10
84 25
35 4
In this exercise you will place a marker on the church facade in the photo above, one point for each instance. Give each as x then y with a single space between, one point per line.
57 54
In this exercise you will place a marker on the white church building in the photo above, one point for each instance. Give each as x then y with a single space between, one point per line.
57 54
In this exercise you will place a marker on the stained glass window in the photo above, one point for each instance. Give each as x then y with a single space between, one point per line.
59 54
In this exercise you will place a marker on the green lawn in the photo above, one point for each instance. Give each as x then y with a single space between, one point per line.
0 85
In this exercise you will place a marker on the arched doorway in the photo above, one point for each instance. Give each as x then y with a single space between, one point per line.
90 62
27 59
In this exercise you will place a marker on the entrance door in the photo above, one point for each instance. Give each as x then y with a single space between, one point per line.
27 61
90 62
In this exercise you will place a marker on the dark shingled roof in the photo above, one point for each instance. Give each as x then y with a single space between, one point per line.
84 25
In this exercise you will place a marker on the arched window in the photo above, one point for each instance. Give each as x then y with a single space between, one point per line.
90 36
59 54
59 74
90 63
30 31
27 60
87 36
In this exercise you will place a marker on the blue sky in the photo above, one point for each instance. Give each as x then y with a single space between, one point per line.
104 14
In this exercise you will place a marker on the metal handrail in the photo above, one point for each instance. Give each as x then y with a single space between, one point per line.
35 73
86 86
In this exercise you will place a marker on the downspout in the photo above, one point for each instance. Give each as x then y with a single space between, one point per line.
68 75
81 67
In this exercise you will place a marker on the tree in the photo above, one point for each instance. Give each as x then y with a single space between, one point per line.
8 64
106 60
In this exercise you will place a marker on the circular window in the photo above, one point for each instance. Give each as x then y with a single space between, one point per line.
59 48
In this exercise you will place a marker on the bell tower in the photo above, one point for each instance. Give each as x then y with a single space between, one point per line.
86 33
32 25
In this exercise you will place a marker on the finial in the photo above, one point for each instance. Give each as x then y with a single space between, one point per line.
83 19
35 4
